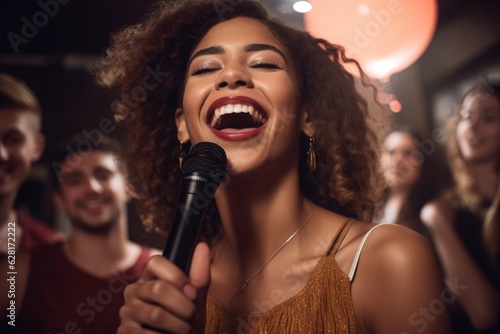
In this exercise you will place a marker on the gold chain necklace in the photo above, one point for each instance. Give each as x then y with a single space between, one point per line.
250 279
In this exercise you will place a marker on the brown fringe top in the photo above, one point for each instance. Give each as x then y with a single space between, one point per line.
324 305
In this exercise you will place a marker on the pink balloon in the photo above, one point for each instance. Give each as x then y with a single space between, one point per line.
385 36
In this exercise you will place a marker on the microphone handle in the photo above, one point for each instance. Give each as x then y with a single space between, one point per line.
182 238
186 228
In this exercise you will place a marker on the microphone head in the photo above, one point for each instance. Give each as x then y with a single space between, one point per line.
206 158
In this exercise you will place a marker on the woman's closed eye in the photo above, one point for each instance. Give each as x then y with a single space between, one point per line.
267 65
204 70
490 118
260 65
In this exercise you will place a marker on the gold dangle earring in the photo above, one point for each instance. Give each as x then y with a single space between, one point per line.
311 155
182 154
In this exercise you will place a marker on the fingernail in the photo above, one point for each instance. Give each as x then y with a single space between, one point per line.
189 291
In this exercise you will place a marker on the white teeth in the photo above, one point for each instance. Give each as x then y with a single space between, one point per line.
237 108
92 204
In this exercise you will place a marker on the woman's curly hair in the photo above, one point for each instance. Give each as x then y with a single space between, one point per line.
147 63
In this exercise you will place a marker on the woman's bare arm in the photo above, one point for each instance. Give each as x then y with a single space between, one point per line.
475 293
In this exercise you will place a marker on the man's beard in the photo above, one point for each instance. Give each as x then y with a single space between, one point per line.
101 229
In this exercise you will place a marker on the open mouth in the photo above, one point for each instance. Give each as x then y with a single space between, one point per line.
6 170
237 116
93 204
474 141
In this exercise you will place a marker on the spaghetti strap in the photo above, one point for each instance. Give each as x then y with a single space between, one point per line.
354 265
337 240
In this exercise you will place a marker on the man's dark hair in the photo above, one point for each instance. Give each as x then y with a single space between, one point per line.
80 145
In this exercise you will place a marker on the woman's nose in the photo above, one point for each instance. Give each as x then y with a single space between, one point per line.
4 153
234 76
473 124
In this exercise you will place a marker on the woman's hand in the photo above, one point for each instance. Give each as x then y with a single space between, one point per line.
438 213
165 300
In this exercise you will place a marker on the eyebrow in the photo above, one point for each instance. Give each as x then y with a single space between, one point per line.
263 47
71 174
14 131
79 173
217 50
100 169
213 50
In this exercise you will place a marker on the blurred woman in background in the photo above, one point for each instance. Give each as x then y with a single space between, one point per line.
414 178
465 224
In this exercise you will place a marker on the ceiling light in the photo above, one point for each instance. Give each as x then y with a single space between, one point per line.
302 6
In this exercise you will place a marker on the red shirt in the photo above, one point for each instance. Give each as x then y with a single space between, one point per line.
62 298
35 233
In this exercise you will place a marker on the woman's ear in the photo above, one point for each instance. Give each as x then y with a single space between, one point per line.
307 126
180 121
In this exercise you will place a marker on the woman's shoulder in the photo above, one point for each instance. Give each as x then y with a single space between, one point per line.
384 244
397 273
395 258
383 235
389 247
389 242
377 241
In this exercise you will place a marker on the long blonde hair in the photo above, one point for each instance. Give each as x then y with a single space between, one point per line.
465 185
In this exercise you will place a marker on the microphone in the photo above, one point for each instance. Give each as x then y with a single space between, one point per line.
203 170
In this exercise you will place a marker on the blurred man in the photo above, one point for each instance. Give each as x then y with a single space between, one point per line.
77 285
21 143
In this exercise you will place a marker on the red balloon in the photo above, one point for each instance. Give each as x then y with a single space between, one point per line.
385 36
